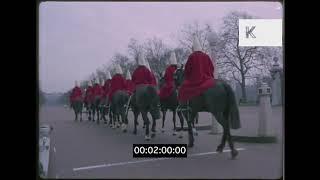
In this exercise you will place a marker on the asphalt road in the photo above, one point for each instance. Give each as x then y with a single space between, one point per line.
87 150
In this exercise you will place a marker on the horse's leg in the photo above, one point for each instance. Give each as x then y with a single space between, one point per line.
174 122
76 114
144 124
136 114
81 108
190 118
118 120
104 114
89 112
98 113
153 128
124 120
164 111
234 152
114 116
224 135
146 121
197 118
93 112
181 120
110 118
181 123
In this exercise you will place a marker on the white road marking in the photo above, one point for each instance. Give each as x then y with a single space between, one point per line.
54 149
146 160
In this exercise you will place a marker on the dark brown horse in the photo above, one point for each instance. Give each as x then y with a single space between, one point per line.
218 100
146 100
77 108
118 109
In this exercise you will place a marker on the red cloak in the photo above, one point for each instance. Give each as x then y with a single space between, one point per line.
76 94
106 88
117 83
97 91
130 86
142 75
89 94
167 89
198 76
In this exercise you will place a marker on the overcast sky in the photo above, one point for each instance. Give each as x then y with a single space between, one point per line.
75 38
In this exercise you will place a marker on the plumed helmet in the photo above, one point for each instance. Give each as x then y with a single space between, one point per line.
128 75
141 60
108 75
118 69
196 44
173 59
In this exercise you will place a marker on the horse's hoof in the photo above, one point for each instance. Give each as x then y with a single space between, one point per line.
125 130
135 132
113 127
174 133
147 138
124 127
105 122
234 153
153 135
219 149
162 130
190 145
181 134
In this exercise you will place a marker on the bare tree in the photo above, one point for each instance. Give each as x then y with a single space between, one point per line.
134 49
239 63
188 32
156 54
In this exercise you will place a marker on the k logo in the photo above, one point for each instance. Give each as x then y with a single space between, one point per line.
249 31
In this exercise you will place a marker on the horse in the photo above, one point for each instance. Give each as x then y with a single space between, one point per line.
105 109
172 103
145 100
119 103
218 100
95 107
77 105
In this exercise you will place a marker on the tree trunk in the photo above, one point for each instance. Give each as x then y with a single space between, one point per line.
243 89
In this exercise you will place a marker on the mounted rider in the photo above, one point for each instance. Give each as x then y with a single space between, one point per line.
117 82
154 80
167 89
130 84
143 77
76 94
198 74
97 90
88 97
106 86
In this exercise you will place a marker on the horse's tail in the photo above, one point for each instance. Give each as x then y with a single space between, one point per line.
233 108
